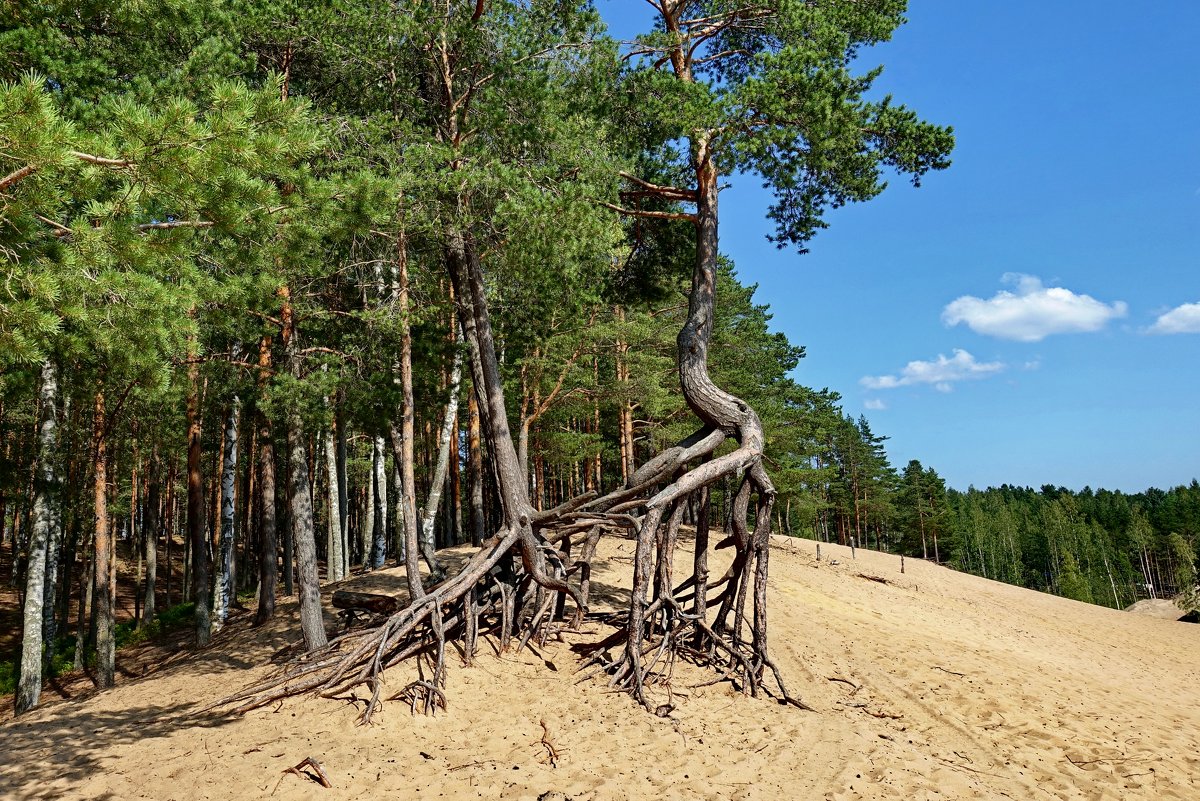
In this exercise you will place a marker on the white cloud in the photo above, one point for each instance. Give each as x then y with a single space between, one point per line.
1033 312
874 404
941 372
1183 319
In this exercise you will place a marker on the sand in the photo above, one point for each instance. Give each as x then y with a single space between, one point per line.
933 685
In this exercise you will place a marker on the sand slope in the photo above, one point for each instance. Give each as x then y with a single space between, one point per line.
932 685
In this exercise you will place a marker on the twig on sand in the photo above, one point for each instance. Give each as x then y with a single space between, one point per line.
552 753
475 764
317 774
947 670
968 767
844 681
1079 763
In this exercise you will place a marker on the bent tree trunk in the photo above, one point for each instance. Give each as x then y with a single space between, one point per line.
657 609
45 520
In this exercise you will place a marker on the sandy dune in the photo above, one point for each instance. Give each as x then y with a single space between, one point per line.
931 685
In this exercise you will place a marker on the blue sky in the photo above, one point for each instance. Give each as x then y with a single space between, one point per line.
1023 317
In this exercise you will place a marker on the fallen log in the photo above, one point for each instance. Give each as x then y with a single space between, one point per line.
365 602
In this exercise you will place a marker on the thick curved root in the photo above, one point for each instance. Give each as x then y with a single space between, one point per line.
518 584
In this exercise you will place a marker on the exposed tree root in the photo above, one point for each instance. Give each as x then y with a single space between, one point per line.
517 586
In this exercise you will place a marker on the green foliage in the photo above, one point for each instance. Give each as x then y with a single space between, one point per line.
776 94
1184 557
1102 547
1071 582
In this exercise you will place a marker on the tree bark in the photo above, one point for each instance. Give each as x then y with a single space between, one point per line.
198 544
150 522
268 557
105 592
45 522
475 470
366 532
443 462
406 503
312 622
87 588
225 579
380 512
343 492
334 559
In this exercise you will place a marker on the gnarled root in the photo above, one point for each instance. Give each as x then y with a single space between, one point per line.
525 597
668 622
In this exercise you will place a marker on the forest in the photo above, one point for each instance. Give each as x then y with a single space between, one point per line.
299 290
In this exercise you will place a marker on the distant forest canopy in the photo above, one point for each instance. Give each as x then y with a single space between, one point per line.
1100 546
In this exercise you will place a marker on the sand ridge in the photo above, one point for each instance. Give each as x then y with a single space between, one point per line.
929 684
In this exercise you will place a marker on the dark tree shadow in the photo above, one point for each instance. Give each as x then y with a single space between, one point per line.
44 749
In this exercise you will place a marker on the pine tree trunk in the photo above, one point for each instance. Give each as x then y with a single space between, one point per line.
169 531
288 550
475 470
150 522
312 622
268 556
51 590
45 523
403 443
455 483
105 592
197 542
135 534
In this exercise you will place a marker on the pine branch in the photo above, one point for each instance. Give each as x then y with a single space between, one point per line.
101 161
672 192
162 226
656 215
17 175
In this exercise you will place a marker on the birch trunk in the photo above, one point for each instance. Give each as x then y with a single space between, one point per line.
443 462
225 593
379 482
334 560
343 497
45 523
